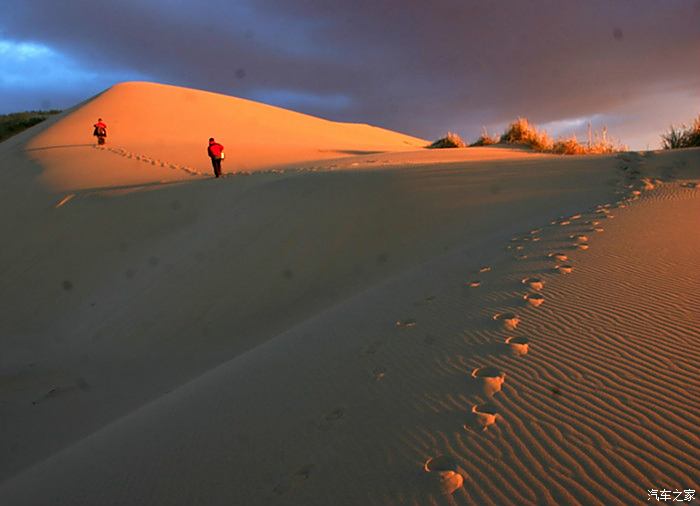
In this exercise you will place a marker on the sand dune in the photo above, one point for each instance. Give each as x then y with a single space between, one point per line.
329 337
158 132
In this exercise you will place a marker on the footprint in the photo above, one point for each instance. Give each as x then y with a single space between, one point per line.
534 299
475 283
336 414
534 283
582 246
491 379
78 384
564 269
379 372
443 473
330 418
648 184
64 200
370 349
559 257
579 237
295 480
518 345
509 320
410 322
598 229
483 419
575 217
485 268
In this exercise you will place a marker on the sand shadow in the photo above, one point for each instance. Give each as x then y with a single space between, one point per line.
351 151
61 146
130 187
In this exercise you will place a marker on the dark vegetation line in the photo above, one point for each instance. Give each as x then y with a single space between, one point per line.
16 122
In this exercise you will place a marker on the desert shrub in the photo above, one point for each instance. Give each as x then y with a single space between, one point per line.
674 138
598 146
694 133
602 147
683 136
521 131
14 123
570 146
451 140
485 139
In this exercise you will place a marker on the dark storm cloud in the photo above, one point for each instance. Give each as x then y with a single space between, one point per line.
410 65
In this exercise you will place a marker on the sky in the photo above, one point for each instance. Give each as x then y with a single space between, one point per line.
418 67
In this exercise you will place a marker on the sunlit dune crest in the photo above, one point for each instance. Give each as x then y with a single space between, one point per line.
168 127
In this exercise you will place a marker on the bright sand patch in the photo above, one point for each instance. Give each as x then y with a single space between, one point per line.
236 343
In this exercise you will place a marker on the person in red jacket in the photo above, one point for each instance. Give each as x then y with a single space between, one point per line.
216 153
100 131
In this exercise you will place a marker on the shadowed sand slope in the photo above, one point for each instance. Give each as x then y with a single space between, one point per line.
164 131
350 407
135 293
329 338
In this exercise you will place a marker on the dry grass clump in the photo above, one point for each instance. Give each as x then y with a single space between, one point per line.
683 136
570 146
596 145
521 131
484 140
451 140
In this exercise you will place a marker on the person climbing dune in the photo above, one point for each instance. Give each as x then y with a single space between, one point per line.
216 153
100 131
